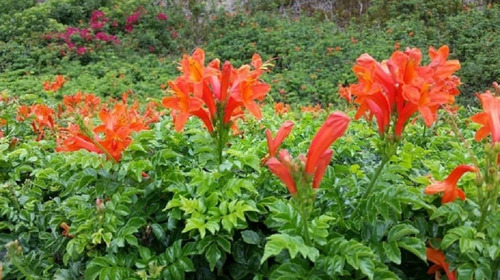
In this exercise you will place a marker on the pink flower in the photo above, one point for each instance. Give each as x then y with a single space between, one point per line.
96 15
162 16
129 28
174 34
151 48
102 36
97 25
81 50
133 19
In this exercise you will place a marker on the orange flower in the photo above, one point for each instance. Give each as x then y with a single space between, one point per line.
438 258
334 127
308 168
397 45
202 90
182 103
312 109
283 132
489 119
56 85
112 136
83 104
279 169
401 87
449 185
281 108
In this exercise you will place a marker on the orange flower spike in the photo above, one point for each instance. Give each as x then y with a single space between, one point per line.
283 173
334 127
489 119
449 185
438 258
283 132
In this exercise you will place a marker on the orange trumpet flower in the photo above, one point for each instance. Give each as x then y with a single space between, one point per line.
449 185
438 258
283 132
489 119
312 167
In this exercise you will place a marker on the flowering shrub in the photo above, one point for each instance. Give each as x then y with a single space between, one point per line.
112 189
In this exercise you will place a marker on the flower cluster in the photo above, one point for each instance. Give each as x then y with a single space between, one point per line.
43 118
113 135
395 89
298 174
216 96
81 40
83 104
55 85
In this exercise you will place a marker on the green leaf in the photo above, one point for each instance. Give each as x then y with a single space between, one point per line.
415 246
295 244
213 254
392 252
158 231
399 231
250 237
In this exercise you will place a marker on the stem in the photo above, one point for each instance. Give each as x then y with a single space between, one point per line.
484 211
384 161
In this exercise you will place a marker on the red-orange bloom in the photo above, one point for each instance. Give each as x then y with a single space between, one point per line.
312 167
114 134
281 108
283 132
43 118
438 258
449 185
56 85
279 169
84 104
203 90
489 119
401 87
334 127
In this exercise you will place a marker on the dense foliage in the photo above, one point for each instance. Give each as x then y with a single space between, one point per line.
128 153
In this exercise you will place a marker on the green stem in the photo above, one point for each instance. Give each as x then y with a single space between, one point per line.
375 176
377 173
484 212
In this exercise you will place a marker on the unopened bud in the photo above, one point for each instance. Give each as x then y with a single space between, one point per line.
495 87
